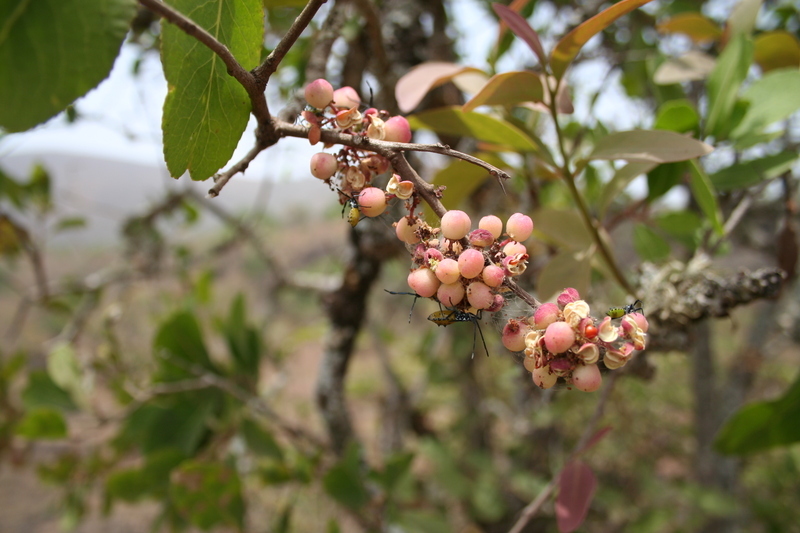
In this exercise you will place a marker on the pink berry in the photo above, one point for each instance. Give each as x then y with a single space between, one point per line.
455 224
470 263
346 98
406 231
587 378
480 238
514 335
450 294
424 282
559 337
514 248
319 93
372 201
543 377
433 256
493 275
545 315
498 304
397 130
567 296
447 271
323 165
479 295
492 224
519 227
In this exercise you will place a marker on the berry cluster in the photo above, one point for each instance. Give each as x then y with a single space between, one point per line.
462 269
351 171
562 340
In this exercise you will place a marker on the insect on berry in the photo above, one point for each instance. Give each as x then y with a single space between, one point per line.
619 312
446 317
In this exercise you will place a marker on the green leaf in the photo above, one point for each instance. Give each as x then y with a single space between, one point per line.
699 28
65 371
42 423
566 269
461 179
649 244
130 485
568 47
703 192
206 110
260 441
344 482
396 467
454 121
772 98
564 227
424 521
655 146
41 391
681 225
179 346
723 85
208 494
179 424
508 89
621 179
663 178
747 173
677 115
68 223
776 49
244 341
762 425
53 51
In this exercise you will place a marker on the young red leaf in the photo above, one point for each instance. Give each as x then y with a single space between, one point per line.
521 29
412 87
577 485
569 46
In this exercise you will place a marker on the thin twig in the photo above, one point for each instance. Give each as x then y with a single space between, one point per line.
263 72
221 179
532 508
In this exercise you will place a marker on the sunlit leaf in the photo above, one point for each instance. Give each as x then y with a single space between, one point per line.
776 49
521 29
723 85
743 16
677 115
703 192
691 66
53 51
568 47
655 146
772 98
416 83
761 426
206 110
508 89
747 173
454 121
65 371
699 28
576 490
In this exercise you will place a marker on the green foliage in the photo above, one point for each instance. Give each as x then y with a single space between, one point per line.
206 110
345 481
42 391
208 494
762 425
42 423
55 51
723 85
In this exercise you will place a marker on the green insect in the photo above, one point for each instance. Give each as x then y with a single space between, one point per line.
619 312
450 316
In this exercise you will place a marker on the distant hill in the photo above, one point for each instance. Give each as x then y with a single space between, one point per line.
106 192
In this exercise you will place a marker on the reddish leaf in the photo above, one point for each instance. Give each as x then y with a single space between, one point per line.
508 88
521 29
700 29
412 88
569 46
577 484
597 437
776 49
